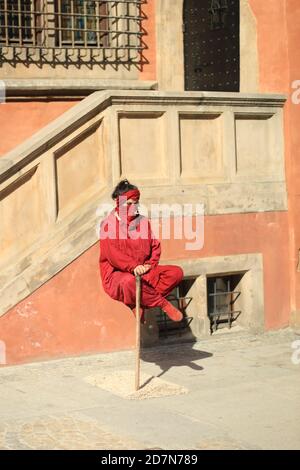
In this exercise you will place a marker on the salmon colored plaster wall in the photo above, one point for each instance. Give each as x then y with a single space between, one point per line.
148 69
279 58
68 315
272 45
265 233
293 124
19 120
71 314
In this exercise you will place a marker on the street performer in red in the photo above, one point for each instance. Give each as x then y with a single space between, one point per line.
127 248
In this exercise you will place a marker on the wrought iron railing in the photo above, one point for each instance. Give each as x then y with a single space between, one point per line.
111 25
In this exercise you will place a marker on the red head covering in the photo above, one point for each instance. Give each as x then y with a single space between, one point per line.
124 211
130 194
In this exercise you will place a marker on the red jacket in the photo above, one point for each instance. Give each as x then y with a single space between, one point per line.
124 254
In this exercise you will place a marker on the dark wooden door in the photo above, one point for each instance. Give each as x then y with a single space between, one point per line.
212 45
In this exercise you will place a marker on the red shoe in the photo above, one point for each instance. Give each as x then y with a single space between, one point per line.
142 314
172 312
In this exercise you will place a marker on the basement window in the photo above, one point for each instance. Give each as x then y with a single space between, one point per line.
222 296
178 297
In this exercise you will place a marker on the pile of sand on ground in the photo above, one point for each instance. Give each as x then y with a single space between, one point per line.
122 384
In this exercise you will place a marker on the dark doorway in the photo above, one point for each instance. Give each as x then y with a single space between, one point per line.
211 45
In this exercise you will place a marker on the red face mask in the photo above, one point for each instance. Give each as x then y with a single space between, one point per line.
127 213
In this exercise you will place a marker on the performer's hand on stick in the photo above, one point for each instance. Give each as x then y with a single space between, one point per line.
142 269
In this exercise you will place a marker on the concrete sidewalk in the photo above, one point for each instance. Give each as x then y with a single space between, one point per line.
243 393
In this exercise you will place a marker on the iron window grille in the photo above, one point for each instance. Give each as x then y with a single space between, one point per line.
221 301
111 27
167 327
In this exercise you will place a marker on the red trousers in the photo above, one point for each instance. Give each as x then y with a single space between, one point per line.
154 287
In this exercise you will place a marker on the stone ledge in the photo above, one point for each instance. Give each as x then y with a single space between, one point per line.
100 100
24 88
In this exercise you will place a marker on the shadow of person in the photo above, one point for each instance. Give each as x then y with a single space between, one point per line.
175 355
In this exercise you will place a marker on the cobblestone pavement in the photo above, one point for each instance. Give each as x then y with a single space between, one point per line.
60 432
243 393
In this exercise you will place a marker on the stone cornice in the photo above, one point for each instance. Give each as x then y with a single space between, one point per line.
77 88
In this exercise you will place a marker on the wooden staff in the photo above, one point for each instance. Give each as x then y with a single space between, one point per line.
138 330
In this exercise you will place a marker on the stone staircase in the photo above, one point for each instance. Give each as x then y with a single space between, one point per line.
185 147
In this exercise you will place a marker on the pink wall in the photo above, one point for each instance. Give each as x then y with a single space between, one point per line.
279 58
71 314
148 69
19 120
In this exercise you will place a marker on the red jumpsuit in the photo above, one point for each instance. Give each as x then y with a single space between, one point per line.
119 257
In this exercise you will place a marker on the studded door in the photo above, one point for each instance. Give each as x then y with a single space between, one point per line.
211 31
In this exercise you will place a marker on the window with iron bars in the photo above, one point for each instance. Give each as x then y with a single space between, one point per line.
63 24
